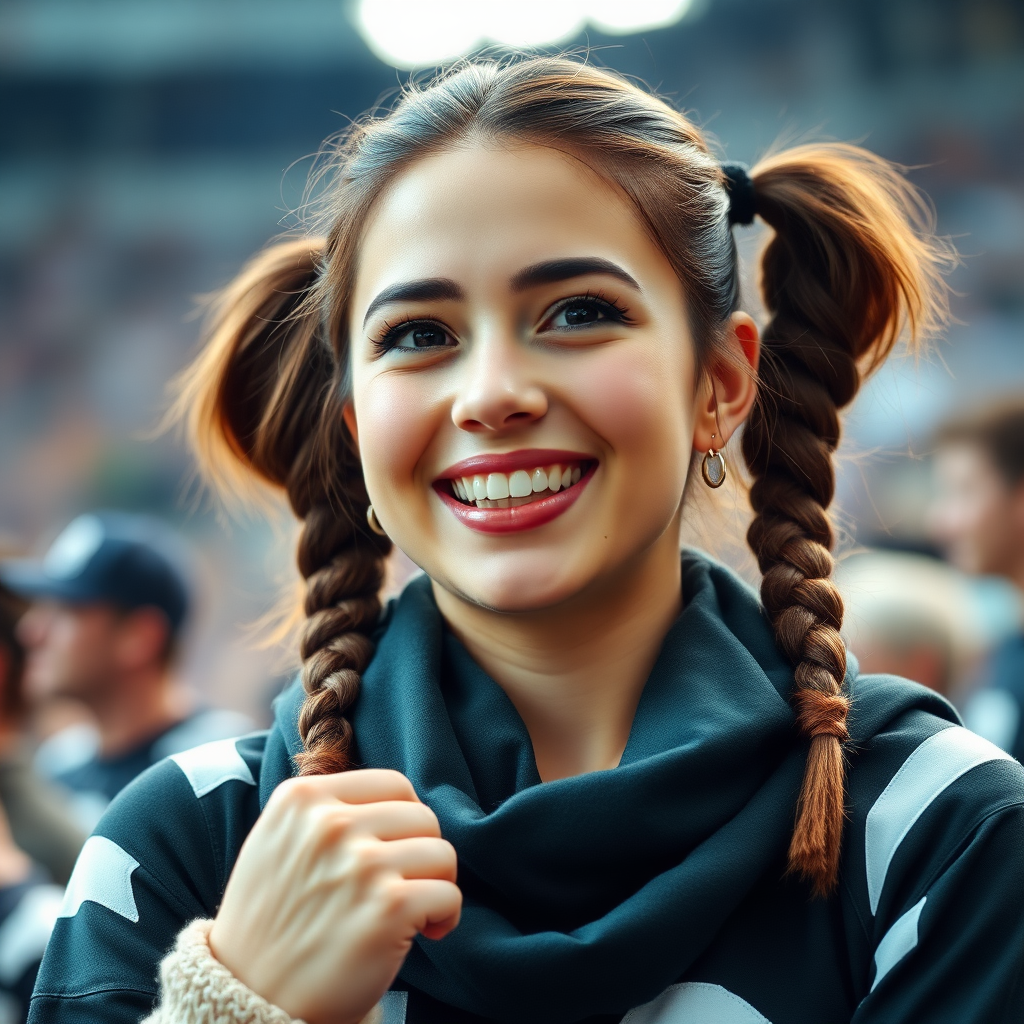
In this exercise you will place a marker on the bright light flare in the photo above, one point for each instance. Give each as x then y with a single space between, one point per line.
418 33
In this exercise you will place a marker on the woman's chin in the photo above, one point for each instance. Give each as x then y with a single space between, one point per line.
520 585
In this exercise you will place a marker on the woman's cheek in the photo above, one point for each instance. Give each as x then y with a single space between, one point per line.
638 403
397 421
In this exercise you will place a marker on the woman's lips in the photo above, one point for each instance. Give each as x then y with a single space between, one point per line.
521 511
509 462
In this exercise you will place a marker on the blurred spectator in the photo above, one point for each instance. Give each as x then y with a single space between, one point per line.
977 515
40 821
908 615
110 600
39 840
29 906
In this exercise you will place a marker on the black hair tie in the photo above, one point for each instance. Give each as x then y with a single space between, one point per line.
740 187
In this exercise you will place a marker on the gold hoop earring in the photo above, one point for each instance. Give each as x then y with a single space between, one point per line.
713 467
371 518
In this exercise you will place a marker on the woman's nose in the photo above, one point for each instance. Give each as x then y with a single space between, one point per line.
498 393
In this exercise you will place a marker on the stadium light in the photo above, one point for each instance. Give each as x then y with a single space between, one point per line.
418 33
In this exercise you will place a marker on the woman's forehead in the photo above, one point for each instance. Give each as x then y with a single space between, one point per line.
485 211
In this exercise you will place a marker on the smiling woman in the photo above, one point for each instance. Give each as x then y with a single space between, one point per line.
516 331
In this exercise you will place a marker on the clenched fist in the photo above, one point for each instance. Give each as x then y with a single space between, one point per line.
335 880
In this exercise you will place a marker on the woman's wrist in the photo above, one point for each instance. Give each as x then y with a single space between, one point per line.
196 988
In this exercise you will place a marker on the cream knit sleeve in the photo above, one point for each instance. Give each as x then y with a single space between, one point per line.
195 988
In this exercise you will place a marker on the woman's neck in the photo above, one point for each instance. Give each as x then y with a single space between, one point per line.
575 672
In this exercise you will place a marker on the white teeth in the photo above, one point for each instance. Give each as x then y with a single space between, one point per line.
519 484
497 486
498 490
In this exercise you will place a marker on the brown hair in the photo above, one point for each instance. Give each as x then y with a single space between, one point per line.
998 430
851 264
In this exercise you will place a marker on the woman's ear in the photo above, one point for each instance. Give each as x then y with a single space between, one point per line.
727 393
348 414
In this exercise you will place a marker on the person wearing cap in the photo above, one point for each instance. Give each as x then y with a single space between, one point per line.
110 600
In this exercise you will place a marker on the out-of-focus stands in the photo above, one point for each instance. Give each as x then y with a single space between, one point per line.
955 625
910 615
977 516
94 628
110 601
39 838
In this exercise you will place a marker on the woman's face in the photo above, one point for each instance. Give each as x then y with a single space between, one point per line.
523 377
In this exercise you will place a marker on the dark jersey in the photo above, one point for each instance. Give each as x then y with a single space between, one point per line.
927 925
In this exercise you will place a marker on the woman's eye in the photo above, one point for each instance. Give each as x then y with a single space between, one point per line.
418 336
583 312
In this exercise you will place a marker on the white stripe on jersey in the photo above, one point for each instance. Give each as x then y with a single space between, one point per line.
897 942
696 1002
211 765
934 766
103 874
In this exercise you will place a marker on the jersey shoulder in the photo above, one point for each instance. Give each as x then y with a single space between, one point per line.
921 790
159 858
919 784
935 814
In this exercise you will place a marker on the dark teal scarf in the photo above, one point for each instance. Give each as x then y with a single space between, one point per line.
589 895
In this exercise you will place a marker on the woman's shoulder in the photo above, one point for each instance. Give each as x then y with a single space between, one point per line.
931 865
908 747
201 794
921 788
159 858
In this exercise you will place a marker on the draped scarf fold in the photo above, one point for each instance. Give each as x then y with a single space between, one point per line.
589 895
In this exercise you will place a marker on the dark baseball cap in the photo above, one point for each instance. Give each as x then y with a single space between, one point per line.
130 561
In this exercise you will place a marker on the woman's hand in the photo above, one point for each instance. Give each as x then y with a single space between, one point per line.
330 888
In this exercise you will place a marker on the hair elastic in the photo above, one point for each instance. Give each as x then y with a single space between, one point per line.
742 198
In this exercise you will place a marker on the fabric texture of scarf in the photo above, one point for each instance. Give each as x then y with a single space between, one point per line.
588 895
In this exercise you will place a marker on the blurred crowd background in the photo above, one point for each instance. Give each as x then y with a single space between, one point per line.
147 149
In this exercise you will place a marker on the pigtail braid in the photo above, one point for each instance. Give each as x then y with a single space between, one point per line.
852 265
343 564
265 397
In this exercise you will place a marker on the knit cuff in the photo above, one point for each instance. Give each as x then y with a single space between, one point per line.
196 988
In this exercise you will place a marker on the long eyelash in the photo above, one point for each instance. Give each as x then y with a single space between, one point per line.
391 332
621 314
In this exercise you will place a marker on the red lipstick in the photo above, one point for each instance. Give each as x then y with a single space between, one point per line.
515 518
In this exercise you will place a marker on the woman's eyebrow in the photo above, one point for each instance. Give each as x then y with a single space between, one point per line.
425 290
551 271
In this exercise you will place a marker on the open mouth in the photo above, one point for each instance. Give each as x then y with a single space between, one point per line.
514 491
520 487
